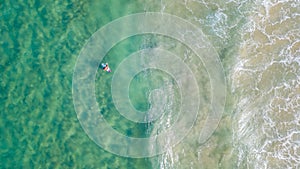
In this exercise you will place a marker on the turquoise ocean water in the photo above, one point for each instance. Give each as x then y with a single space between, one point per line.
40 42
258 43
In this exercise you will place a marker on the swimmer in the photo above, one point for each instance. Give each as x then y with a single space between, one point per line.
105 67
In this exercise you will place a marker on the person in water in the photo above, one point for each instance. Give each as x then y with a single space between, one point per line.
105 67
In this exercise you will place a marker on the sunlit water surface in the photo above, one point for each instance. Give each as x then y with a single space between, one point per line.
259 46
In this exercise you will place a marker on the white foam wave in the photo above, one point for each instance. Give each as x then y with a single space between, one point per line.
267 129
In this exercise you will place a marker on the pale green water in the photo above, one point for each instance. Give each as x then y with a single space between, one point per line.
258 44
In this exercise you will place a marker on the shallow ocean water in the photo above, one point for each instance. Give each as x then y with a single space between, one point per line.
259 47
